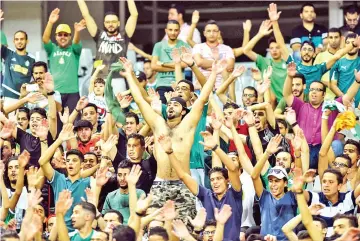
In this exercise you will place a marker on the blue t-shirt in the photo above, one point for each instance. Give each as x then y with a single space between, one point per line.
232 198
301 34
59 182
343 72
276 213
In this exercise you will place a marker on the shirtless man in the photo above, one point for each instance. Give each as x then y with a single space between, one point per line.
180 126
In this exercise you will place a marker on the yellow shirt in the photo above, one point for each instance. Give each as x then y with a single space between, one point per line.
320 58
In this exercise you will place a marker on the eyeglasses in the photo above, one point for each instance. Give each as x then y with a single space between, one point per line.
209 232
259 114
211 31
276 171
308 50
109 22
182 88
249 95
316 89
63 34
339 164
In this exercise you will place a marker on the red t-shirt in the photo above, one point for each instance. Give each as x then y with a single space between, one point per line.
244 130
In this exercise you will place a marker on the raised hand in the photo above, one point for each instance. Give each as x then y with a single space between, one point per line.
32 226
238 71
42 130
195 17
169 212
33 176
24 159
48 82
34 97
109 144
352 234
209 141
239 113
153 94
263 87
247 25
1 15
180 229
219 66
64 117
187 59
290 115
124 101
148 141
2 169
82 103
265 28
134 175
268 72
270 237
101 176
315 208
199 221
224 214
165 142
273 145
216 122
299 137
34 198
64 202
143 203
67 132
291 69
54 15
309 175
357 42
128 67
298 180
256 74
80 25
249 118
274 15
175 55
7 129
90 196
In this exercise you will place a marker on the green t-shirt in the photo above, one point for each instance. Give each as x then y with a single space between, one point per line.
64 65
278 74
163 51
282 105
3 38
77 237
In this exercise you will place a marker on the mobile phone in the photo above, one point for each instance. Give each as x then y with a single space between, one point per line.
32 87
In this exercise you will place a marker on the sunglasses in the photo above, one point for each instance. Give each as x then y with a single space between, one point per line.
316 89
249 95
63 34
276 171
339 164
209 232
259 114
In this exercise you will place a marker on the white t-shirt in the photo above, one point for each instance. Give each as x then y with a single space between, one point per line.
225 52
100 102
184 33
43 102
21 206
247 219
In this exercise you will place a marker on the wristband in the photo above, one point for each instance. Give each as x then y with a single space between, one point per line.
3 139
141 214
294 124
51 93
298 156
45 141
301 192
170 152
77 110
325 117
197 231
357 81
192 64
215 147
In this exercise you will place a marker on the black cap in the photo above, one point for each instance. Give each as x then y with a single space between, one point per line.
140 76
181 102
83 123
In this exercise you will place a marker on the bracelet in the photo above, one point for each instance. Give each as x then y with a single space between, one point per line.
141 214
45 141
301 192
197 231
325 117
294 124
77 110
51 93
298 156
3 139
215 147
192 64
170 152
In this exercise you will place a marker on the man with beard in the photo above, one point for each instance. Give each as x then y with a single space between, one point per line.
90 113
351 21
8 148
297 88
150 75
18 65
112 42
278 51
334 40
84 141
342 73
64 58
315 72
162 61
119 199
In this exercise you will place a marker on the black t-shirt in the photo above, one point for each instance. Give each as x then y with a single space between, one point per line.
149 169
109 49
32 145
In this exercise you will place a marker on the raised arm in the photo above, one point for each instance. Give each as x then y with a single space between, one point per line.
220 92
289 227
221 218
94 77
340 53
49 87
246 37
90 22
63 204
274 16
190 182
194 21
324 157
54 16
354 88
77 28
132 20
287 93
263 31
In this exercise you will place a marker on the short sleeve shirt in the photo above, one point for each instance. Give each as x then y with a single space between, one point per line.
316 35
64 65
77 237
100 103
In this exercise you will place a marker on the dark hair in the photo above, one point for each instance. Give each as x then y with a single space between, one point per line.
12 142
255 237
99 81
319 82
351 35
40 111
25 110
300 76
179 8
336 172
8 234
211 21
209 129
132 115
252 230
92 153
88 207
351 218
303 234
21 31
39 64
137 137
173 22
125 164
309 43
209 223
91 105
61 149
271 40
75 152
345 156
308 4
229 105
188 83
147 61
6 177
223 171
351 9
119 215
335 30
355 143
111 13
251 88
124 233
321 220
283 122
160 231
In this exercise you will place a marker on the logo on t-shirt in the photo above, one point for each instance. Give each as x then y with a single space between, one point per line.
110 45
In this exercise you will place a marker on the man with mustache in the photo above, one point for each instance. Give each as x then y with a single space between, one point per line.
351 15
17 67
112 41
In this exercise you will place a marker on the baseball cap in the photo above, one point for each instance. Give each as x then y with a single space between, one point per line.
140 76
63 28
82 123
278 172
181 102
